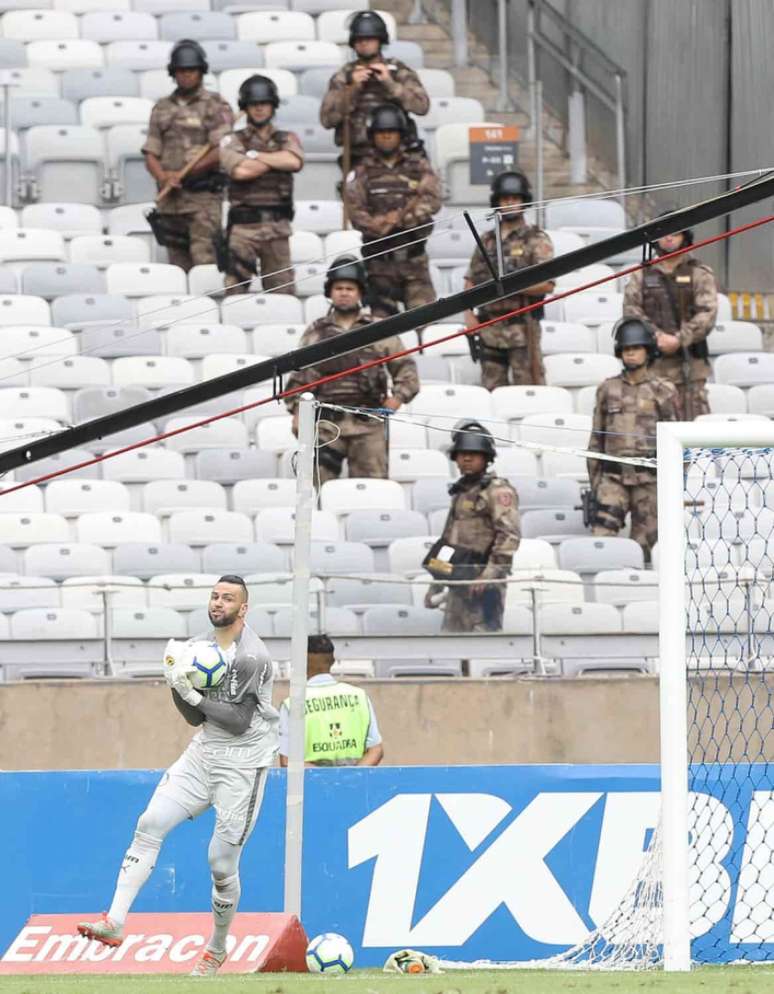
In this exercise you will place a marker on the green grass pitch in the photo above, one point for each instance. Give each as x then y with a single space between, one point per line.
707 980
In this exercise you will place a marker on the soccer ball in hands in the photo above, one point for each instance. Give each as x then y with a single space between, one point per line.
204 664
329 953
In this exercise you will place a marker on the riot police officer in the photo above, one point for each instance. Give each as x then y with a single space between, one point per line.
365 83
627 409
392 196
509 351
480 536
359 439
186 127
679 298
260 161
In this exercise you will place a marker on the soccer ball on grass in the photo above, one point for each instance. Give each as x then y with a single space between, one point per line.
204 664
329 953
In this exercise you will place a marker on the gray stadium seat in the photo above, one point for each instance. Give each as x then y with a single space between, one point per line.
394 620
8 561
96 402
161 497
26 112
407 51
298 110
114 25
133 182
56 279
594 553
378 529
362 593
78 310
231 465
148 623
53 463
151 462
535 493
8 280
60 560
53 624
200 25
224 54
551 524
314 82
145 560
120 341
244 558
260 621
138 55
203 527
112 81
339 622
429 495
13 54
65 158
69 219
340 557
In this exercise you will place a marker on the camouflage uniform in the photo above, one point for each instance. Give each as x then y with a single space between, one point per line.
362 441
179 129
682 301
628 407
344 100
377 186
483 517
269 199
506 345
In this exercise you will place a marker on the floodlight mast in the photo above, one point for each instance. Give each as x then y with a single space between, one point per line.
272 370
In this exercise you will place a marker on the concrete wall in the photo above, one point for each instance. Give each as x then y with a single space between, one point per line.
104 725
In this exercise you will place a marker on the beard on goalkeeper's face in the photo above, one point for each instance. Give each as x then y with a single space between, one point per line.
220 617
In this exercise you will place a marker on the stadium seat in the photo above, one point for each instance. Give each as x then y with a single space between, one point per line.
85 593
111 25
539 494
251 496
34 402
559 336
203 527
138 55
641 617
96 402
104 250
593 307
355 494
249 310
580 619
621 587
306 246
275 435
244 558
277 525
56 279
12 52
205 280
760 398
277 339
565 430
161 497
407 435
744 369
73 497
7 560
409 52
19 592
265 26
591 211
551 586
61 55
405 555
553 525
408 465
21 529
34 25
86 6
147 623
579 370
29 111
229 465
594 553
317 216
108 529
331 558
222 363
105 112
362 593
133 280
450 110
339 622
451 247
379 528
152 372
440 407
408 620
53 463
53 624
61 559
165 309
38 341
222 54
515 461
534 553
226 433
314 82
512 403
131 181
147 559
31 245
181 591
65 158
437 82
430 494
201 25
299 55
112 81
193 341
70 220
565 241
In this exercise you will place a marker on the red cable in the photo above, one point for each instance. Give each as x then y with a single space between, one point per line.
388 358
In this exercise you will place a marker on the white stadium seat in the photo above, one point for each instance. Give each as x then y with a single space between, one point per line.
184 591
562 336
60 559
69 219
153 462
65 158
299 55
34 402
18 530
265 26
579 369
516 402
408 465
34 25
744 369
107 528
20 309
104 112
86 593
19 592
226 433
194 341
152 371
138 55
53 624
31 244
437 82
61 55
568 213
71 497
104 26
134 280
104 250
249 310
345 496
203 527
552 586
593 307
166 309
278 525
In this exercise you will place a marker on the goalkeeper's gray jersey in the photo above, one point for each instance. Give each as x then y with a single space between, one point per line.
248 680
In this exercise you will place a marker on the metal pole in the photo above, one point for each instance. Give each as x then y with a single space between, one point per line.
540 210
459 21
498 220
7 153
531 71
107 628
503 102
620 137
537 647
294 824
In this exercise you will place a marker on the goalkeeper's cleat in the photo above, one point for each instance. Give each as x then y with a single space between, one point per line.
208 964
106 931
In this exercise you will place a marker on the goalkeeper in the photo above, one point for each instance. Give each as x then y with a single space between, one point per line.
224 766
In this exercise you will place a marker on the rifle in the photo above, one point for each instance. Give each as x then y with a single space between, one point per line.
346 153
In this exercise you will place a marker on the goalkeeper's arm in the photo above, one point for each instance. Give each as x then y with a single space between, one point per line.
192 715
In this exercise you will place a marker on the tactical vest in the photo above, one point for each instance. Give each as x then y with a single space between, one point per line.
631 416
272 189
336 722
516 256
390 190
365 99
366 388
668 300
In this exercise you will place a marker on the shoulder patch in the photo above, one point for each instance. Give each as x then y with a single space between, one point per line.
504 498
350 176
226 140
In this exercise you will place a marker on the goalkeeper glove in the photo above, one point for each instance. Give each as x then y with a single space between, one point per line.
176 674
411 961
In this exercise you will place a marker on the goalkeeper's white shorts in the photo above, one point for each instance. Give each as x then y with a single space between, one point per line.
197 783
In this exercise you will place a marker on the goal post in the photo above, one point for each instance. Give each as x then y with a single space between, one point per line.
712 486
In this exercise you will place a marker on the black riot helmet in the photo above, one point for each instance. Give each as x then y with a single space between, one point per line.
388 117
367 24
346 267
187 54
513 183
472 436
258 90
687 233
634 331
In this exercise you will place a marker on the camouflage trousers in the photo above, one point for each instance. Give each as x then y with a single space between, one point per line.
638 499
199 230
362 443
391 283
465 613
514 370
253 248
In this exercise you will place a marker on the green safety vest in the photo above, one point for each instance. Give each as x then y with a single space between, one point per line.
336 720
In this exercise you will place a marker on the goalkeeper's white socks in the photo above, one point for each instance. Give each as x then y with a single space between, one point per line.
137 866
225 899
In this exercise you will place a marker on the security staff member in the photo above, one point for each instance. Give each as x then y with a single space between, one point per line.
627 409
181 127
260 161
392 196
509 351
481 534
359 439
365 83
340 726
679 297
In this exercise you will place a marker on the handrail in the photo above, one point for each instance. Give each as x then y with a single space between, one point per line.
582 40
